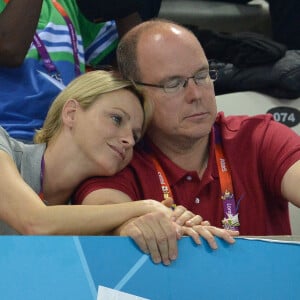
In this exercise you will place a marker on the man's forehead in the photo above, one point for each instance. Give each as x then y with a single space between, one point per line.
163 32
158 34
167 58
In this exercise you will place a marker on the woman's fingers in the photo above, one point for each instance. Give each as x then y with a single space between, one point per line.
210 232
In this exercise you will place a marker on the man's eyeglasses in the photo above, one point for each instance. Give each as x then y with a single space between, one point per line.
178 83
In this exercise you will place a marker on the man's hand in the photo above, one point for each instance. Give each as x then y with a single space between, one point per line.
155 234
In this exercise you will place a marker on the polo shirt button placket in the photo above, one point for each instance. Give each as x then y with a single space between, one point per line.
189 178
197 200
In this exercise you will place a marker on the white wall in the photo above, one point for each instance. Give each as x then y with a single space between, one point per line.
251 103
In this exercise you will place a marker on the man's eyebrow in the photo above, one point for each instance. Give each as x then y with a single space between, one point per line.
201 69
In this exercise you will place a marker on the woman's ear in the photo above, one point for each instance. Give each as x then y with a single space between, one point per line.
69 112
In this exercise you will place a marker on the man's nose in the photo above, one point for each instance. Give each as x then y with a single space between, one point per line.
193 91
186 82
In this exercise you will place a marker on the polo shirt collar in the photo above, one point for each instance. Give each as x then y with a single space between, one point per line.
173 172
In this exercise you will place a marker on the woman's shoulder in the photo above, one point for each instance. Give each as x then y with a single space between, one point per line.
5 141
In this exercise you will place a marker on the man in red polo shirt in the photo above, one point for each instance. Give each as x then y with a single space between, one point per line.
238 172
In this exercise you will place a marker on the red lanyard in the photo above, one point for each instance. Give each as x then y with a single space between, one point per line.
230 220
48 63
165 187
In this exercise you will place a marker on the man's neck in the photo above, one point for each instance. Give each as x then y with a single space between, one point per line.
189 154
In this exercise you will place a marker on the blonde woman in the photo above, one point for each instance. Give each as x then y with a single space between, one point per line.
90 130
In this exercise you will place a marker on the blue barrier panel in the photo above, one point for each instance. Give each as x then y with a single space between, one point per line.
73 267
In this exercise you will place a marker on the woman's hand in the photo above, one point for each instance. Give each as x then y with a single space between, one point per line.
209 233
184 217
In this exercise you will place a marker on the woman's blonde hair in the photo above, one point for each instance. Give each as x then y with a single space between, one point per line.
86 89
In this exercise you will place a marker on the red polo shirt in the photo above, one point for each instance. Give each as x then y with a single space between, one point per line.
259 151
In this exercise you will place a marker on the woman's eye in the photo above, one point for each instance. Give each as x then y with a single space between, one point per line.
117 119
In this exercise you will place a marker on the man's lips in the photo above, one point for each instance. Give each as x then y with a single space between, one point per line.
196 116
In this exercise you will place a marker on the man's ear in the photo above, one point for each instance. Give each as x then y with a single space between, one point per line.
69 112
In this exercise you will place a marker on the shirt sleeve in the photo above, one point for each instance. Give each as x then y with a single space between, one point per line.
123 181
279 150
5 144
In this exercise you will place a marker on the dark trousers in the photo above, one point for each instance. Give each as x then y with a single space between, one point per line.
285 16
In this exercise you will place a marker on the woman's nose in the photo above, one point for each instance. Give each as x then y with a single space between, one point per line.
128 139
